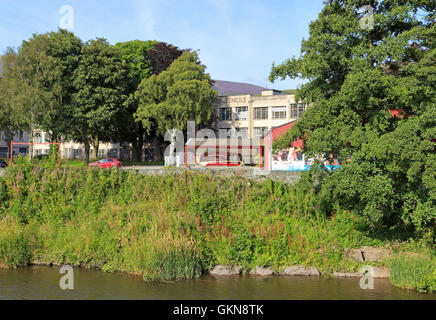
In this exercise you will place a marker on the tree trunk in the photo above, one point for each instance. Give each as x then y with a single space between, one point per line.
96 146
86 154
156 152
86 144
31 144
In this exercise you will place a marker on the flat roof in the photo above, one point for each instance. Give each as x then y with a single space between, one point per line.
231 88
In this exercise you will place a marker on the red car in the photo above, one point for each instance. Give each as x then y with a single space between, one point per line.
217 160
106 163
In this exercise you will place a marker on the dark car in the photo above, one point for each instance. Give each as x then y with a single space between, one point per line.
3 164
106 163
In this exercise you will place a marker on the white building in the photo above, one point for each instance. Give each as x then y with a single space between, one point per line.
250 111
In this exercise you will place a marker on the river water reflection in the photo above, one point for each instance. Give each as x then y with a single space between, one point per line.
43 283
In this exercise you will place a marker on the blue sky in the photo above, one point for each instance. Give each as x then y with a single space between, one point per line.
237 40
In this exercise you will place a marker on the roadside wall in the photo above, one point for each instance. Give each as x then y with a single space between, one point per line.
250 173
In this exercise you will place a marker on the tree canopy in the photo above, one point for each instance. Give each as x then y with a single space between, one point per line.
38 80
79 91
372 102
144 58
182 92
101 83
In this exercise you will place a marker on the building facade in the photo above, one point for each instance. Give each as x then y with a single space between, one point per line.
69 149
254 111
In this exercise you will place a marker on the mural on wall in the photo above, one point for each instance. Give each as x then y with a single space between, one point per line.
291 159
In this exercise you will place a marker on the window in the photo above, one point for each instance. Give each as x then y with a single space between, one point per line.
22 150
4 152
101 153
260 131
293 113
225 113
261 113
241 113
301 109
242 132
279 112
78 152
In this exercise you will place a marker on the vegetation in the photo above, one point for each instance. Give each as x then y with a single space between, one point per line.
78 91
144 59
373 107
181 93
172 226
414 273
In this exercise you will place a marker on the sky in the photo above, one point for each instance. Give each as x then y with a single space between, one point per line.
238 40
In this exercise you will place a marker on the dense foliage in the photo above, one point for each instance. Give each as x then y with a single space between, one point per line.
36 84
372 103
80 91
144 59
183 92
171 226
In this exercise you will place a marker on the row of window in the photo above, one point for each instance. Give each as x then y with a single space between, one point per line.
261 113
243 132
38 137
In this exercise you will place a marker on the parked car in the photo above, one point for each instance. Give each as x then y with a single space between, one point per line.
106 163
220 160
3 164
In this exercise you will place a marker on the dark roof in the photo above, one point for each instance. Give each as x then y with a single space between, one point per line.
228 88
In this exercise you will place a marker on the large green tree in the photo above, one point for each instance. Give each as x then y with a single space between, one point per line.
101 86
144 58
11 119
358 73
38 81
182 92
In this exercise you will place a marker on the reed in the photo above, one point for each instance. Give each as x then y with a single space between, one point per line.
414 273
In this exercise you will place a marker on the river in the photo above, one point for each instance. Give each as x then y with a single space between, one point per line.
43 283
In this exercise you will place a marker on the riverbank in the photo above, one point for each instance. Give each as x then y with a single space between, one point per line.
179 226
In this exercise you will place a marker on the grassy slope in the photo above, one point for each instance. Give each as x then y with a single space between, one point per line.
170 227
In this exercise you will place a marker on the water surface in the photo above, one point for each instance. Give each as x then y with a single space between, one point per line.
43 283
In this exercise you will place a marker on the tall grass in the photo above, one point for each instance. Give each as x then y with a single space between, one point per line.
168 227
14 245
414 273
